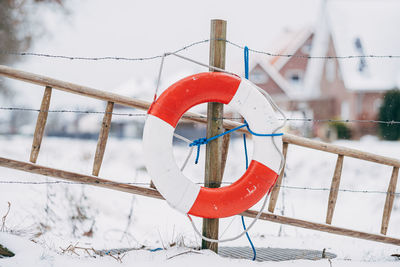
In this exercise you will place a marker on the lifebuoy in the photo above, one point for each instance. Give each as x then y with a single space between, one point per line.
163 116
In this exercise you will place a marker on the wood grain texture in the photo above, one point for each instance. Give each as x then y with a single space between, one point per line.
322 227
225 148
40 125
76 177
103 137
389 200
214 165
334 189
275 190
191 116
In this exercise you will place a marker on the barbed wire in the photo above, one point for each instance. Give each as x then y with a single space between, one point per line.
74 111
124 58
103 57
311 57
199 183
194 117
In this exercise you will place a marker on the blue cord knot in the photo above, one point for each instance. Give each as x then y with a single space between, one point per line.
198 143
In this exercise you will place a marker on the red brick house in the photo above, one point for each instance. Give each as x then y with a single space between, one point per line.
330 88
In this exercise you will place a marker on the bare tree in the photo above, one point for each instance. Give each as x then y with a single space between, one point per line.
18 29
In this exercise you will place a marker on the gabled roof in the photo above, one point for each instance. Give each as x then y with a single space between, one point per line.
287 44
342 22
272 72
319 47
376 24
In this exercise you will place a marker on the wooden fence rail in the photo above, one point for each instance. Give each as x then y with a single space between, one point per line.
50 84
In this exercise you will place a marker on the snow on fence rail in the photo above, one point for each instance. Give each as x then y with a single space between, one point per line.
111 99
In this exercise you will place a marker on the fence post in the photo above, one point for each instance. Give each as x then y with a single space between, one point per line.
215 112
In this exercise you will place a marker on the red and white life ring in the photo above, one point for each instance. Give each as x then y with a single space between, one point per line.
178 190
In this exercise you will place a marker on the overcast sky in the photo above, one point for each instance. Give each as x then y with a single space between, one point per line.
145 28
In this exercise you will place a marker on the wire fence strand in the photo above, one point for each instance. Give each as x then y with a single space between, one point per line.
128 114
257 51
199 183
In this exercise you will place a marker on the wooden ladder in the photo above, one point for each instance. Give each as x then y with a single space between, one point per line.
49 84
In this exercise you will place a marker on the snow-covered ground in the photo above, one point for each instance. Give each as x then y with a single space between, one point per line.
55 216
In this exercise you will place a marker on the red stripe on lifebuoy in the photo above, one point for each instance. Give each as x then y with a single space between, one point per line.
191 91
236 198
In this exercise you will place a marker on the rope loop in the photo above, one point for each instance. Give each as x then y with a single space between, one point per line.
198 143
204 141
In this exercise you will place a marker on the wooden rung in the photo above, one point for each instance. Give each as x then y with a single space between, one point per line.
389 200
275 190
103 136
40 125
334 189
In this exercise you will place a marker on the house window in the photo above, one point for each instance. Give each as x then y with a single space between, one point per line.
306 48
359 103
330 70
258 76
345 110
377 104
295 77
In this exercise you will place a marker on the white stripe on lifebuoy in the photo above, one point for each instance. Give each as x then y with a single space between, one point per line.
178 190
260 116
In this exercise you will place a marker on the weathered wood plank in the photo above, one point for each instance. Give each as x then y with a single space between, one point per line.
225 148
334 189
275 190
40 125
76 177
347 152
389 200
148 192
227 124
214 149
103 137
322 227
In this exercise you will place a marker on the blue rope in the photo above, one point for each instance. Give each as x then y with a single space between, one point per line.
257 134
155 249
246 62
244 225
204 141
245 151
246 75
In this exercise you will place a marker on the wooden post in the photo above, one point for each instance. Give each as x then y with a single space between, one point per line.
215 112
103 137
389 200
275 190
334 189
40 124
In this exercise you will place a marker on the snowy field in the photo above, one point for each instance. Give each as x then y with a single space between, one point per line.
55 216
